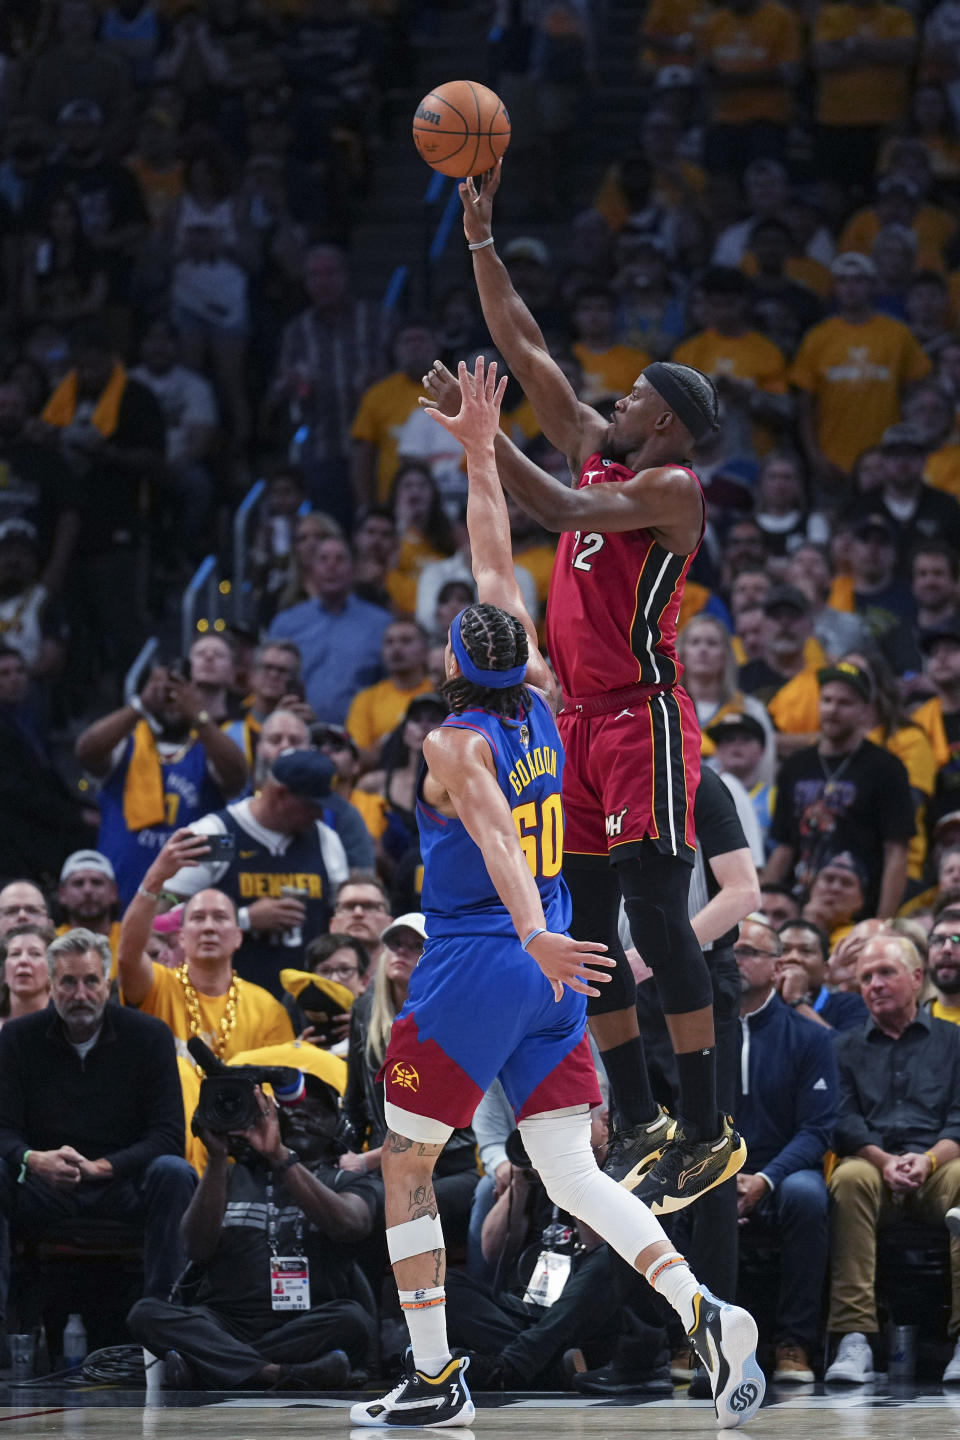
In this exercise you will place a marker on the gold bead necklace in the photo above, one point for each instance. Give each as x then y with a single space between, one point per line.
228 1020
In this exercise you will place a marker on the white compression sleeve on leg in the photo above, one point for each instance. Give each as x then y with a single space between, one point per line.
559 1151
414 1237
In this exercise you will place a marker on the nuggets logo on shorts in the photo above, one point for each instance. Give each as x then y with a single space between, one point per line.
405 1077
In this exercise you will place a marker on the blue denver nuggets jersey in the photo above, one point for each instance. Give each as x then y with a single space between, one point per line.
458 895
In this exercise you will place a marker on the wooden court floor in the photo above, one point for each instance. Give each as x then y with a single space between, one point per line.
878 1413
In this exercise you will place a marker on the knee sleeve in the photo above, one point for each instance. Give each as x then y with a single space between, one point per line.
559 1151
656 891
595 893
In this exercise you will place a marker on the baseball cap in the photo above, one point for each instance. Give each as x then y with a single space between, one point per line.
18 529
337 735
324 1074
904 437
527 247
889 184
853 263
429 700
736 724
876 520
81 112
847 674
307 774
86 860
323 997
786 597
412 920
949 630
846 860
946 822
673 77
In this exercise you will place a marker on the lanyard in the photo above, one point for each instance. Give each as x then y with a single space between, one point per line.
273 1223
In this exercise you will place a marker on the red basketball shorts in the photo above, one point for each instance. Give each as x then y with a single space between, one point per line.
631 774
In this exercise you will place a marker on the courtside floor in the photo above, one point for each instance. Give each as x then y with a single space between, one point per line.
877 1412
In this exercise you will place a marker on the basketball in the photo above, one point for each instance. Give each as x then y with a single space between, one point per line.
461 128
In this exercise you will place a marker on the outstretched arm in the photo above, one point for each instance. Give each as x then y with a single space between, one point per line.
665 500
476 425
573 428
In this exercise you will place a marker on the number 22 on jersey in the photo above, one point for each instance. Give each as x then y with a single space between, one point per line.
540 828
592 542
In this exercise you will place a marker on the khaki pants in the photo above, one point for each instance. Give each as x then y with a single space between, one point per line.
862 1203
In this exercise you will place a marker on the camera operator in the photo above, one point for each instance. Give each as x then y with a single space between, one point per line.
164 762
515 1343
91 1115
284 1197
203 996
284 869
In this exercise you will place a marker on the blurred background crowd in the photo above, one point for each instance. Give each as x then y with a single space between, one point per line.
227 532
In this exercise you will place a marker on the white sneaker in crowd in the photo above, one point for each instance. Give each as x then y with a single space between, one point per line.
952 1221
951 1375
853 1364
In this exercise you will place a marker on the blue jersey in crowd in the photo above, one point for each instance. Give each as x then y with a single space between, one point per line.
458 895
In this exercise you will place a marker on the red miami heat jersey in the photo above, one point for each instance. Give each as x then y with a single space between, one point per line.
613 603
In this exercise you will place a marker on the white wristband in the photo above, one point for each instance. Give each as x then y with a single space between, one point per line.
481 244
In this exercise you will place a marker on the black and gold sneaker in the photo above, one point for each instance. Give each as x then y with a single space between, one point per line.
429 1401
631 1152
725 1338
687 1169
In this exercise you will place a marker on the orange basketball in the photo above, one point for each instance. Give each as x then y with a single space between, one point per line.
461 128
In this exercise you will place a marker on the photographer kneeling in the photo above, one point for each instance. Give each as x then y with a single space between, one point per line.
279 1304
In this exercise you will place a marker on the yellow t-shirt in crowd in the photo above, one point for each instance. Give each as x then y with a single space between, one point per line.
855 374
863 94
401 581
261 1020
735 44
113 937
814 656
929 716
750 356
933 227
795 709
539 560
382 410
939 1011
373 811
671 20
610 372
912 747
378 709
801 269
942 470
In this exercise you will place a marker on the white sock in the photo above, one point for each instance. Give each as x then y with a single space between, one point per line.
672 1278
425 1312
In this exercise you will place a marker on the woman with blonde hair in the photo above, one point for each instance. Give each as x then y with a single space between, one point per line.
26 978
710 679
371 1021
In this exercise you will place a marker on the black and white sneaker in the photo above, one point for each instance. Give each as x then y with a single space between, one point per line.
430 1401
687 1169
631 1152
725 1338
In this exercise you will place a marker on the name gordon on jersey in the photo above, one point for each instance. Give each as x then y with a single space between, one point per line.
541 761
254 884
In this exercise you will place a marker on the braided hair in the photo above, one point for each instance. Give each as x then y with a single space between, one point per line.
496 640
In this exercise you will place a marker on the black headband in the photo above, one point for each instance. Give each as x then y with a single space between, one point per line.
684 406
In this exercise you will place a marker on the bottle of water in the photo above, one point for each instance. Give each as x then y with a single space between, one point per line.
74 1342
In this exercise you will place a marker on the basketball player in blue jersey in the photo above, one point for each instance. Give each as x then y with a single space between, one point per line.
501 988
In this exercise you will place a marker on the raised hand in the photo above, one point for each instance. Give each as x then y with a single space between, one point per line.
183 848
564 962
443 391
478 204
478 419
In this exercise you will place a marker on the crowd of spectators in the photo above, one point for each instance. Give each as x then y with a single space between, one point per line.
230 846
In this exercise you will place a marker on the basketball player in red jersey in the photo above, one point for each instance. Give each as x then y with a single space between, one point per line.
630 529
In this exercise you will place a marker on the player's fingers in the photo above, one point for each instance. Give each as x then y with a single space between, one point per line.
437 415
498 397
491 384
596 946
426 403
